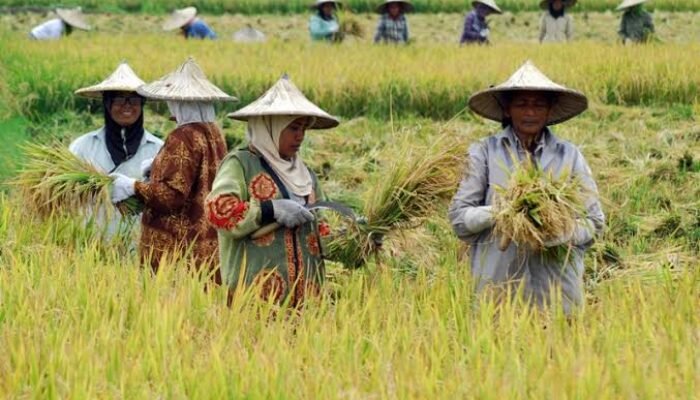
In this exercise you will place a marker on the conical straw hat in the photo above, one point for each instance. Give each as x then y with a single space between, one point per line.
407 6
318 3
186 83
490 4
629 3
544 4
568 103
74 17
179 18
249 35
123 79
284 98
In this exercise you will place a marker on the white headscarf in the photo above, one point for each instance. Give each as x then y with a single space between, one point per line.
264 135
187 112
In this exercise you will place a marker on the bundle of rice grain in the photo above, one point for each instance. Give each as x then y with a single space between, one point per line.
351 27
400 198
54 180
536 207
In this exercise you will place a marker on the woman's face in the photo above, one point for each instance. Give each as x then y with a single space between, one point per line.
394 9
557 5
126 108
327 9
529 112
292 137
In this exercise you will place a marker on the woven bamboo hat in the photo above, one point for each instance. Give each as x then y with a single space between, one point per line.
74 17
179 18
284 98
405 4
123 79
186 83
318 3
249 35
629 3
490 4
568 103
544 4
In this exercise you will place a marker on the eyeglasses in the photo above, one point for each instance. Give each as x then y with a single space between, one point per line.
131 100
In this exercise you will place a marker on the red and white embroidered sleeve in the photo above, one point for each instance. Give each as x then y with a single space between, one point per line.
226 211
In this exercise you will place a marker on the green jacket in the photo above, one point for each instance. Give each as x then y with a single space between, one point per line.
636 26
286 262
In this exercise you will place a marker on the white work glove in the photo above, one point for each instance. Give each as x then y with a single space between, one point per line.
123 187
582 234
290 213
484 33
146 167
477 219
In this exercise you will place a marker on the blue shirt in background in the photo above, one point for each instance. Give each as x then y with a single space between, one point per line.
200 30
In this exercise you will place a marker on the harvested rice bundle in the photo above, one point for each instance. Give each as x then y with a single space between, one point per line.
398 199
54 180
536 207
351 27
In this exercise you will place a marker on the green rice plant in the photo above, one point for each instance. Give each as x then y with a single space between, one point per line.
54 180
536 207
399 198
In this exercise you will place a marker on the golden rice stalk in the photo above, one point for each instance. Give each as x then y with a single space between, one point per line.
418 180
536 207
54 180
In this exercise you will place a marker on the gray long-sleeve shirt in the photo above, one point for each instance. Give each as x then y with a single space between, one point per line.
490 162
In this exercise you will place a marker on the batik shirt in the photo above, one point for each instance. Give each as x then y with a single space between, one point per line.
286 263
174 219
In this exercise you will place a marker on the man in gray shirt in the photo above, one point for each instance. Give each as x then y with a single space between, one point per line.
525 104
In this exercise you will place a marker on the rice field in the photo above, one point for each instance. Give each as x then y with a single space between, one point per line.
253 7
79 318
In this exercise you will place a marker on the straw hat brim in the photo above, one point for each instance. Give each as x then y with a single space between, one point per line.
629 3
186 83
74 18
568 104
96 92
488 3
284 98
405 5
249 35
123 79
544 4
320 121
318 4
179 18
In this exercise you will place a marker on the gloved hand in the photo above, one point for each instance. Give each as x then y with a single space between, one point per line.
290 213
484 33
123 187
477 219
146 167
582 234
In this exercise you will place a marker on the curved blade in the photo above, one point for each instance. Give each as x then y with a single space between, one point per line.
337 207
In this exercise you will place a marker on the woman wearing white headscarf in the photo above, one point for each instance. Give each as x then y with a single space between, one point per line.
268 182
122 145
182 173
